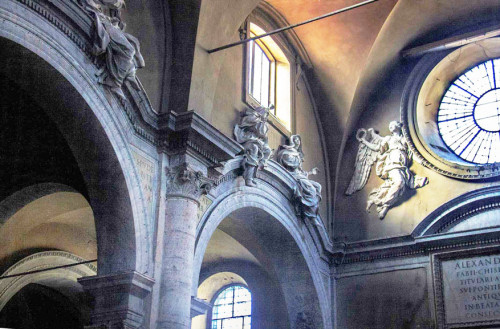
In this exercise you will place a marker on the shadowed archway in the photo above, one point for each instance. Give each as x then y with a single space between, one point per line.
60 79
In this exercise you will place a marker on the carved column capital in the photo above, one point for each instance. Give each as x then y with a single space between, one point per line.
183 181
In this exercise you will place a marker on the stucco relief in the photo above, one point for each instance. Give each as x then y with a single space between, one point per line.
392 159
307 193
119 50
252 134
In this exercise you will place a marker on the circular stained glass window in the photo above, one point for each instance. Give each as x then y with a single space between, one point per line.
469 114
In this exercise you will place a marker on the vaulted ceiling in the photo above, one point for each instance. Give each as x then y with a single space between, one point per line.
338 46
353 52
351 48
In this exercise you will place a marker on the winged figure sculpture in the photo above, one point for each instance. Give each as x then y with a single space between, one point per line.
392 159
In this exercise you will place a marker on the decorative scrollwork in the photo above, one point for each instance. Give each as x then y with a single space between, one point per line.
186 182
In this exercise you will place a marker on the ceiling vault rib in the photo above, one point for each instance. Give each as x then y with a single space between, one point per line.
237 43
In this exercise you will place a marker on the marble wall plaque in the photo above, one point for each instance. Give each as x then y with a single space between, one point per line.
470 290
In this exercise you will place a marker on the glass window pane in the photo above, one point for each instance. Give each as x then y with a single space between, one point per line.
266 63
469 114
242 309
247 322
232 309
232 323
257 73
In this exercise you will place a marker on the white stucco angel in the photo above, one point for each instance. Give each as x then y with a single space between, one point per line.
393 159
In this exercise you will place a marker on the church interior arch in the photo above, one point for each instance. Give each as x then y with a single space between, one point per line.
79 131
261 243
147 175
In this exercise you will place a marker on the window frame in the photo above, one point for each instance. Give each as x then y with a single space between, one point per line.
480 128
425 87
272 70
267 25
216 295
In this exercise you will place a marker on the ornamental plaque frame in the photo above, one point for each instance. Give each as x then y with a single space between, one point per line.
437 260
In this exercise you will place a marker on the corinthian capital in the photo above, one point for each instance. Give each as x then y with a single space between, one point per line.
186 182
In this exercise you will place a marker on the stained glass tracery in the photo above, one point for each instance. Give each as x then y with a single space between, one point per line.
469 114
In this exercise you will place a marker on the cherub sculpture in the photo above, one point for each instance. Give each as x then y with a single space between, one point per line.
252 134
306 192
393 159
121 51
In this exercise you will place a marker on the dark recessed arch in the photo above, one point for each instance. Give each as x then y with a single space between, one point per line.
61 79
270 230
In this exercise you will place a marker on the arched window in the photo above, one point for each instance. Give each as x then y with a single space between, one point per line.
451 111
469 114
268 76
232 308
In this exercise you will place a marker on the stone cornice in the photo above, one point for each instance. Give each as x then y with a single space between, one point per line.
118 299
135 281
189 133
433 233
408 246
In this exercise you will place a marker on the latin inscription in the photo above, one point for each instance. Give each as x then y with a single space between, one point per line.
205 202
471 289
146 170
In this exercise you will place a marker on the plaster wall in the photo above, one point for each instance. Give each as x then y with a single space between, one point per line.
352 222
217 90
147 21
394 299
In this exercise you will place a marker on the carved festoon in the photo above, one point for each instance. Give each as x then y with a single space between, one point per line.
186 182
252 134
393 160
307 193
119 50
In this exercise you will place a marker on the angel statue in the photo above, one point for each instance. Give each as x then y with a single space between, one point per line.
121 50
393 159
306 192
252 134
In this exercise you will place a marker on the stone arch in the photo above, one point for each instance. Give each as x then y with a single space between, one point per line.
46 216
93 124
472 211
62 279
276 213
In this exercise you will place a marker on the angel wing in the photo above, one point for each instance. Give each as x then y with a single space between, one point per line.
364 160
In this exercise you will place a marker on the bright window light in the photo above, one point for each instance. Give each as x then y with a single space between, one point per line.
269 75
469 114
232 309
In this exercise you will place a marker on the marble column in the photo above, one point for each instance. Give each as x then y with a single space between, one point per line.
184 188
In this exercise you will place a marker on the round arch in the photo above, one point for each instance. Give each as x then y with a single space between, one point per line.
92 122
61 279
13 203
277 213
